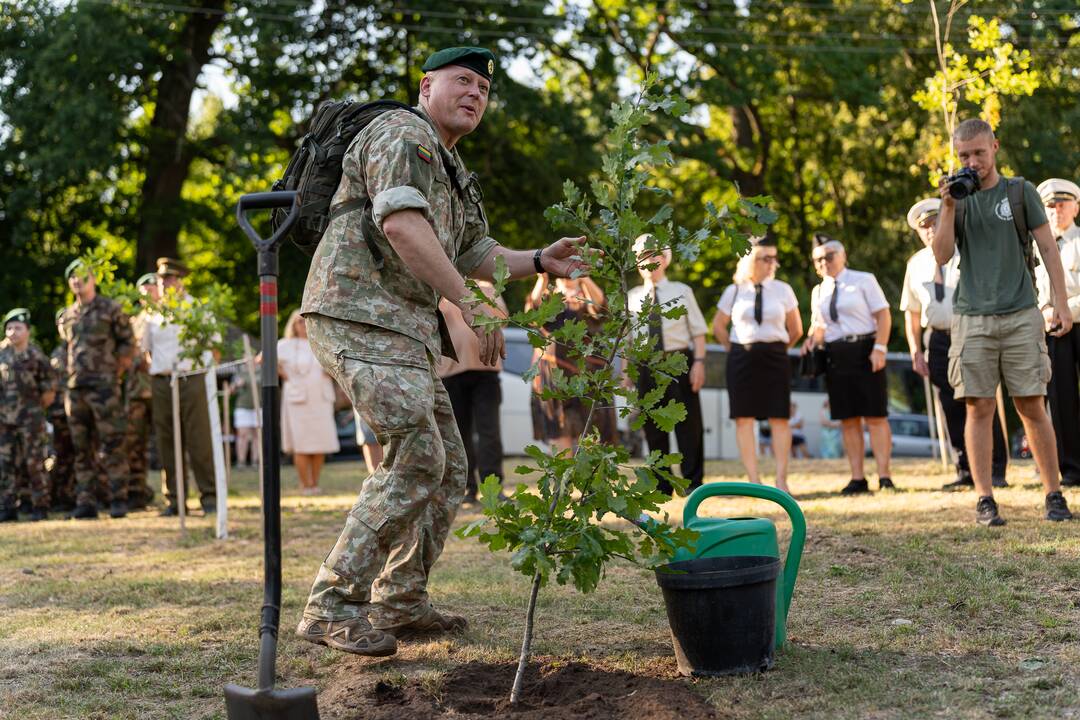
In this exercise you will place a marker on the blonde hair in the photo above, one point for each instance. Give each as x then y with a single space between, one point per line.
744 270
971 129
290 324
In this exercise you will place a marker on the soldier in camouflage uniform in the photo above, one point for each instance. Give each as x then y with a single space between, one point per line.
62 470
100 345
376 330
138 397
27 386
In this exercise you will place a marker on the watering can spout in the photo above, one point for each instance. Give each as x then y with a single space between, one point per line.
724 537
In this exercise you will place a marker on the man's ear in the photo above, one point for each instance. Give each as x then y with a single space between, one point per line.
425 86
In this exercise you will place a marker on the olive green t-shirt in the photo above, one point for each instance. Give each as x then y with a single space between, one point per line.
994 276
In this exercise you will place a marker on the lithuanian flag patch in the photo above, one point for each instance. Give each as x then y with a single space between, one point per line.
424 154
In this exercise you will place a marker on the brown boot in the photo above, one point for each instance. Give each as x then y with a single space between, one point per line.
431 622
352 636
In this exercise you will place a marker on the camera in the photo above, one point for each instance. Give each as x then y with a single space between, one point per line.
963 183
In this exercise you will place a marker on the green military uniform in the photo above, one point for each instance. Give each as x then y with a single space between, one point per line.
138 397
25 378
377 332
98 334
62 471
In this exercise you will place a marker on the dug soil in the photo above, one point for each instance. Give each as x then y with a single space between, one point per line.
553 691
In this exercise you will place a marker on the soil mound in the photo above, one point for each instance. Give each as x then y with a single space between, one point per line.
552 691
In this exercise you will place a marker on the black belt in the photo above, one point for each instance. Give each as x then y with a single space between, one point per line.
750 346
941 332
853 338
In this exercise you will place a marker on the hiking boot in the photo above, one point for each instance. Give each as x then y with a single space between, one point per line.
352 636
885 483
432 622
9 515
999 482
963 481
84 512
986 512
856 487
1056 507
118 509
39 514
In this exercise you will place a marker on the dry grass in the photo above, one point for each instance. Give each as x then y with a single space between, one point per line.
126 619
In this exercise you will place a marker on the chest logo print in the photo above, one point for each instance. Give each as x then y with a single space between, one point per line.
424 154
1004 210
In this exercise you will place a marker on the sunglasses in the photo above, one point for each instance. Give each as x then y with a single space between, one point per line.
767 259
826 258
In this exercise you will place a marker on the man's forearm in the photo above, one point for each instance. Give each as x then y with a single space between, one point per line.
884 325
413 239
944 245
518 262
1051 258
913 327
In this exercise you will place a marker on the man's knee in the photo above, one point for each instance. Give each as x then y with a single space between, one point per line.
1030 407
980 409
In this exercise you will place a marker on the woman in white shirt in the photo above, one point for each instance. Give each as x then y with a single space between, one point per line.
308 430
765 322
850 318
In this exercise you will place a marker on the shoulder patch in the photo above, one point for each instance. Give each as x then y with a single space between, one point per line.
424 154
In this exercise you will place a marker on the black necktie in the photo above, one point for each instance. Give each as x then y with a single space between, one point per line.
939 284
832 303
758 313
656 322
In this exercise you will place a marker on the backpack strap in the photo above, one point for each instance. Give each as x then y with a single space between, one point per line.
958 222
1014 190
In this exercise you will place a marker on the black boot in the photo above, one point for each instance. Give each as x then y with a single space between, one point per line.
8 515
39 514
84 512
118 509
856 487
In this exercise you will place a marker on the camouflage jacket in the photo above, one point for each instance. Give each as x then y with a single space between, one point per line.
396 163
24 378
137 380
97 336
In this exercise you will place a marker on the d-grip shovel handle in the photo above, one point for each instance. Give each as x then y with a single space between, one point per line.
267 247
764 492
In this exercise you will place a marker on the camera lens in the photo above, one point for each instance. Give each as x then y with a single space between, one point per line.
963 183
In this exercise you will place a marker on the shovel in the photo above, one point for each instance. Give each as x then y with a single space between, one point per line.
266 703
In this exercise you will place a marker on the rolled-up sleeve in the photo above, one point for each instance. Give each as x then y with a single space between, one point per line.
693 314
391 201
397 160
470 257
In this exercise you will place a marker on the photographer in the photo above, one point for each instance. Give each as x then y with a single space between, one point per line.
1060 197
997 332
926 302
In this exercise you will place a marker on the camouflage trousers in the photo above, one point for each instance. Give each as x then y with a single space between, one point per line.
399 523
22 464
62 472
137 444
96 418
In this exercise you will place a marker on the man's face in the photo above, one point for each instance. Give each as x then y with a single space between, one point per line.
828 260
979 154
80 282
456 98
150 291
170 282
660 260
17 332
1061 213
926 230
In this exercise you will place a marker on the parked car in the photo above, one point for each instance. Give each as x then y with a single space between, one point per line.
910 436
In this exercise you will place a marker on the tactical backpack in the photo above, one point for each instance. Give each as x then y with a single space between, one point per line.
1014 190
315 168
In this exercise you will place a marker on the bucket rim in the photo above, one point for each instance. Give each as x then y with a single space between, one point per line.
684 575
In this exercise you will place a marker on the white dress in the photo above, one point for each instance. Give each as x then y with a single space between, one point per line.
307 401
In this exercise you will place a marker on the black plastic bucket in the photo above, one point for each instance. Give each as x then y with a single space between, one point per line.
722 613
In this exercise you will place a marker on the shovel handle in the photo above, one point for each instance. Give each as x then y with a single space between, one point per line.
267 247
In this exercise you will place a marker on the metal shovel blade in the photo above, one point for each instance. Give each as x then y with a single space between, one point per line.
243 703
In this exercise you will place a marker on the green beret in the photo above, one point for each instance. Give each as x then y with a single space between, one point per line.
18 315
74 265
479 60
147 279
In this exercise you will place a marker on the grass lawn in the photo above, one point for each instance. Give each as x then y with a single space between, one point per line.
904 608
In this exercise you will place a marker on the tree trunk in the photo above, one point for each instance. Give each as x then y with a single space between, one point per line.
168 158
753 143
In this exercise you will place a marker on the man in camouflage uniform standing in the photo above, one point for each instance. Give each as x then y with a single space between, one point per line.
62 471
411 227
100 344
138 396
27 387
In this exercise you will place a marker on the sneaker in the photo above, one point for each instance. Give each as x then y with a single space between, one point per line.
39 514
1056 507
84 512
885 483
856 487
986 512
354 636
118 509
963 481
999 482
432 622
8 515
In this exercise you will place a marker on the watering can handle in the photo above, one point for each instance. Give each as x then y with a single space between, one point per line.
764 492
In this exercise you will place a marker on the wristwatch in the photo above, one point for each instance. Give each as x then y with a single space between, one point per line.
536 262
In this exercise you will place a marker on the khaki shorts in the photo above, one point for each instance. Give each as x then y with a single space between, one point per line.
989 349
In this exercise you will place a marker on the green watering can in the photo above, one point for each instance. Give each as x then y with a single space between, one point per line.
729 537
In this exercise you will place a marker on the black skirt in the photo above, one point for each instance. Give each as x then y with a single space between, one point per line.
854 390
759 381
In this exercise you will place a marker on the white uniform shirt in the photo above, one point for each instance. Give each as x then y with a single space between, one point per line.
777 300
919 295
678 334
1069 245
859 298
162 341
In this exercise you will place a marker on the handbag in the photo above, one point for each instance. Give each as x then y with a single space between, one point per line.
812 364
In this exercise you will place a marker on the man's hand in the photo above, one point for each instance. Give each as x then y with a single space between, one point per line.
1062 322
47 398
697 376
562 257
918 364
1048 317
480 318
877 361
947 200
